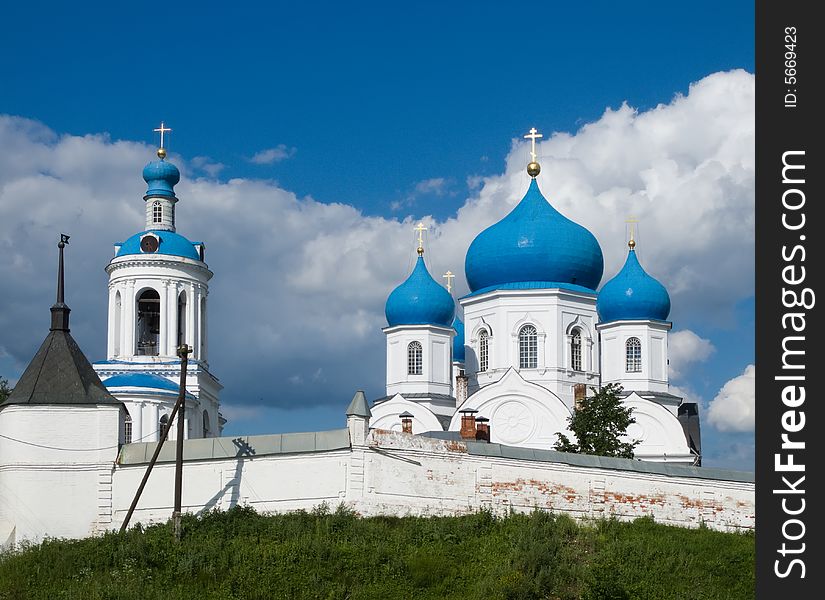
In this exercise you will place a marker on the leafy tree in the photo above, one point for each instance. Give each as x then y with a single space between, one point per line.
599 423
5 390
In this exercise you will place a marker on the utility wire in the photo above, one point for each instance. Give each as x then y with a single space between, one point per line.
74 449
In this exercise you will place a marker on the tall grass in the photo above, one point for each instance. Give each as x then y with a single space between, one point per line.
240 554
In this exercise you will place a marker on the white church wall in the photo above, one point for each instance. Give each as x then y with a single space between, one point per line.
521 413
659 431
554 313
402 474
272 483
414 475
385 415
653 336
59 483
436 373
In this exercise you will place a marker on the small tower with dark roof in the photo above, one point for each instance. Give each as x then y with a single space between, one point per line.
60 432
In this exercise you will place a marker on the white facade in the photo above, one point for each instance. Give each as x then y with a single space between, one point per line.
181 286
556 314
634 354
435 373
56 481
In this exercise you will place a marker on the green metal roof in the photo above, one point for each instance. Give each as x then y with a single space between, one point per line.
251 446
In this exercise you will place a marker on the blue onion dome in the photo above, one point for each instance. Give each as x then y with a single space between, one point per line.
458 340
633 294
161 177
534 243
420 300
168 243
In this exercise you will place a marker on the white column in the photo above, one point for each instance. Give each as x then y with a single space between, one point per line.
129 316
172 310
163 346
204 339
155 415
111 333
137 425
190 318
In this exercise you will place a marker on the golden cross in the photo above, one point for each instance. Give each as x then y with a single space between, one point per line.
631 221
449 277
420 228
162 130
533 136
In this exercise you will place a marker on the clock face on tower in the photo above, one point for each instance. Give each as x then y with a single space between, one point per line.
149 244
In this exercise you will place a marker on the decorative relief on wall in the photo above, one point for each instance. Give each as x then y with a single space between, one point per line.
513 422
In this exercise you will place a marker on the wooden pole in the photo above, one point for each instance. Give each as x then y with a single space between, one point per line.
183 352
163 435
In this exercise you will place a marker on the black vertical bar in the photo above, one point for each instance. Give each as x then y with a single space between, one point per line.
183 352
789 195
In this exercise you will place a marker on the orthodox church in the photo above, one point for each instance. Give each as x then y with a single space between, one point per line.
536 336
473 406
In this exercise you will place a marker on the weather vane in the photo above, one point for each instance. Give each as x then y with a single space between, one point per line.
533 168
449 277
162 150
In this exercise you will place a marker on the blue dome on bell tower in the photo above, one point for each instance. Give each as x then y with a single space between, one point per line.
161 177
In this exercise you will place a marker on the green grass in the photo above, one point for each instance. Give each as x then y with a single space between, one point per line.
337 555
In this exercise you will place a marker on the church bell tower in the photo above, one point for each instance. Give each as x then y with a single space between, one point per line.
158 290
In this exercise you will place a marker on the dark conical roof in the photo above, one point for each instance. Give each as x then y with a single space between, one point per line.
60 374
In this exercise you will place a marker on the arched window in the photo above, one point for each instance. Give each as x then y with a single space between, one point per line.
483 350
528 347
576 350
148 323
162 425
117 324
157 212
206 430
633 349
182 319
415 359
127 430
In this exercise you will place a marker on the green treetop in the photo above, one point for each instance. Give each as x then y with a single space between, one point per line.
599 422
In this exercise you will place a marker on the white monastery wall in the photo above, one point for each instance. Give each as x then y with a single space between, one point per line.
46 490
403 474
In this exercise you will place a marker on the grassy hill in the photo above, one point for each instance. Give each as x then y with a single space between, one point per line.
337 555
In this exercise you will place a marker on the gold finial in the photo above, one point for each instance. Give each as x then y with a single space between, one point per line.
420 228
533 168
449 277
162 150
632 242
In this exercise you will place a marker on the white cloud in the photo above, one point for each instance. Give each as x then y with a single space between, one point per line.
207 165
273 155
435 185
733 407
300 285
684 349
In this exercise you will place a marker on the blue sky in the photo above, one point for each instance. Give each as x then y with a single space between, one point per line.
360 118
